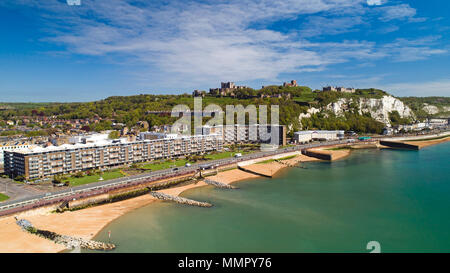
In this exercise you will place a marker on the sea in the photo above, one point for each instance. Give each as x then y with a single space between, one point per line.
398 199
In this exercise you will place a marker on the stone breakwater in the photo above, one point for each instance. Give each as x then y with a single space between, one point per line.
180 200
219 184
67 241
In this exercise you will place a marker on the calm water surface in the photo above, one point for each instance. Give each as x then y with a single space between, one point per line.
398 198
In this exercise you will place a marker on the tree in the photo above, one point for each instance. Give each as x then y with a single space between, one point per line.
114 135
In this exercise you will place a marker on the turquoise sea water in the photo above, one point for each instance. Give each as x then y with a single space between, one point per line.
399 198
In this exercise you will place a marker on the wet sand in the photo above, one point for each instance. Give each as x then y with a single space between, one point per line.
86 223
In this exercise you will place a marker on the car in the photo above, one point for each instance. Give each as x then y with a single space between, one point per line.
187 165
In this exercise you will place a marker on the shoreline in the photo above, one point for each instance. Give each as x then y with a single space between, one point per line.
88 223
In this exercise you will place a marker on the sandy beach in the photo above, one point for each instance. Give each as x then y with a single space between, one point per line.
335 154
86 223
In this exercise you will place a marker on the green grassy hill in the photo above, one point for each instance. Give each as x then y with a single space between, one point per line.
131 109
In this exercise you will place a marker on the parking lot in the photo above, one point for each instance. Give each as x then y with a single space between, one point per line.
16 190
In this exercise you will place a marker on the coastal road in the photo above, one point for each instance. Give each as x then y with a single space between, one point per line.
35 200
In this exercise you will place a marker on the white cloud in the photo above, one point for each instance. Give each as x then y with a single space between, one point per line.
186 43
403 50
375 2
323 25
401 11
439 87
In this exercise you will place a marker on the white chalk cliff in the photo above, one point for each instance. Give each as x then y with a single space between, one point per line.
379 109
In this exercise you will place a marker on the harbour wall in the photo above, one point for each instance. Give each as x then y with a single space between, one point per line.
316 154
399 145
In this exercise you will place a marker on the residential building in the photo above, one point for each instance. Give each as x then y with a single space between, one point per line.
39 163
307 136
11 146
156 135
388 131
438 122
255 133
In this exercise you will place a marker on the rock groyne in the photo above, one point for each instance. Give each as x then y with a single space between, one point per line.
67 241
219 184
179 200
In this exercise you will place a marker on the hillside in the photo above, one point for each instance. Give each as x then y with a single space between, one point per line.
425 107
366 110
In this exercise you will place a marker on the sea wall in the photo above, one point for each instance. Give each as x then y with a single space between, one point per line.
399 145
88 201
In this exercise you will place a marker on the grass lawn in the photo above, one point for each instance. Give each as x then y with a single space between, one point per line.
158 165
161 165
306 97
223 155
3 197
94 178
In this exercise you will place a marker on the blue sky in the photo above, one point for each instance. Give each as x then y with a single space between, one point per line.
50 51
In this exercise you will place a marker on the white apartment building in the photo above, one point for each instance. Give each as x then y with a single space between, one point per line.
11 146
307 136
254 133
37 163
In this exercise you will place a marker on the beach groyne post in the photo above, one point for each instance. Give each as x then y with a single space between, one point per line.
179 200
242 168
